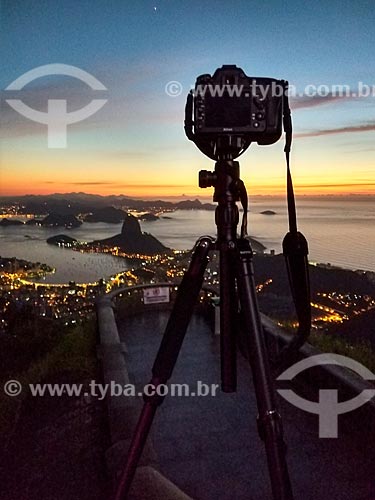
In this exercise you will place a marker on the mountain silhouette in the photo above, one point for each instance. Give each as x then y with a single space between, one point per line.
60 220
132 240
106 214
10 222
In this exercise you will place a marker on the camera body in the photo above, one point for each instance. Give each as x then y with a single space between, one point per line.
229 103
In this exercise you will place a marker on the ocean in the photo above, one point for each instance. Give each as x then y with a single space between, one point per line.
339 231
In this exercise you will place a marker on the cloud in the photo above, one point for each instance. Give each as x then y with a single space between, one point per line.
82 183
151 186
338 185
91 183
117 185
365 127
361 150
305 101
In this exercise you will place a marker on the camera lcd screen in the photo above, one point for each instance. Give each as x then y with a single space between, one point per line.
226 111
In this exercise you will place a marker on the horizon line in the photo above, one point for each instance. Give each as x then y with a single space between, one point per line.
190 196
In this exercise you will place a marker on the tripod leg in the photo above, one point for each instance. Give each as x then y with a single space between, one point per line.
269 420
228 311
166 358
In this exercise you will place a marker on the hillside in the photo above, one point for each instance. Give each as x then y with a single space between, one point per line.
110 215
359 328
131 239
80 203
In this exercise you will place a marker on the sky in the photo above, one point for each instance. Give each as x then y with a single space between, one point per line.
135 144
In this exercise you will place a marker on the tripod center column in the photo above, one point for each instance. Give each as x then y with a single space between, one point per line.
226 218
226 214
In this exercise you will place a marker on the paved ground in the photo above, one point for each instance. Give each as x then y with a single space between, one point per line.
209 446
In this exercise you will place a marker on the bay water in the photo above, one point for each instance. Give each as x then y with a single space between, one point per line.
340 232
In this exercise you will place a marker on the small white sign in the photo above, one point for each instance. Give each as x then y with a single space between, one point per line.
156 295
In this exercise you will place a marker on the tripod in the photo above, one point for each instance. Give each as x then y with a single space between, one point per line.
237 296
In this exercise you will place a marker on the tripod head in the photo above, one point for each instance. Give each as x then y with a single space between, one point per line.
228 189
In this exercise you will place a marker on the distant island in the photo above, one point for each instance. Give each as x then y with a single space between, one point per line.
268 212
63 240
131 240
34 222
10 222
256 245
148 217
51 220
194 205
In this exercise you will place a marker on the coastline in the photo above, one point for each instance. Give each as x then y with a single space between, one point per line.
335 238
137 260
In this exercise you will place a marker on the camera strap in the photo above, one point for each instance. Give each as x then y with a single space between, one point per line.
295 250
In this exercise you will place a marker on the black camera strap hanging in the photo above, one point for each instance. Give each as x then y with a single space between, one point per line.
295 247
295 250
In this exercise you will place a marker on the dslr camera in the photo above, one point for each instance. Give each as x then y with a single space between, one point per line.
229 110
